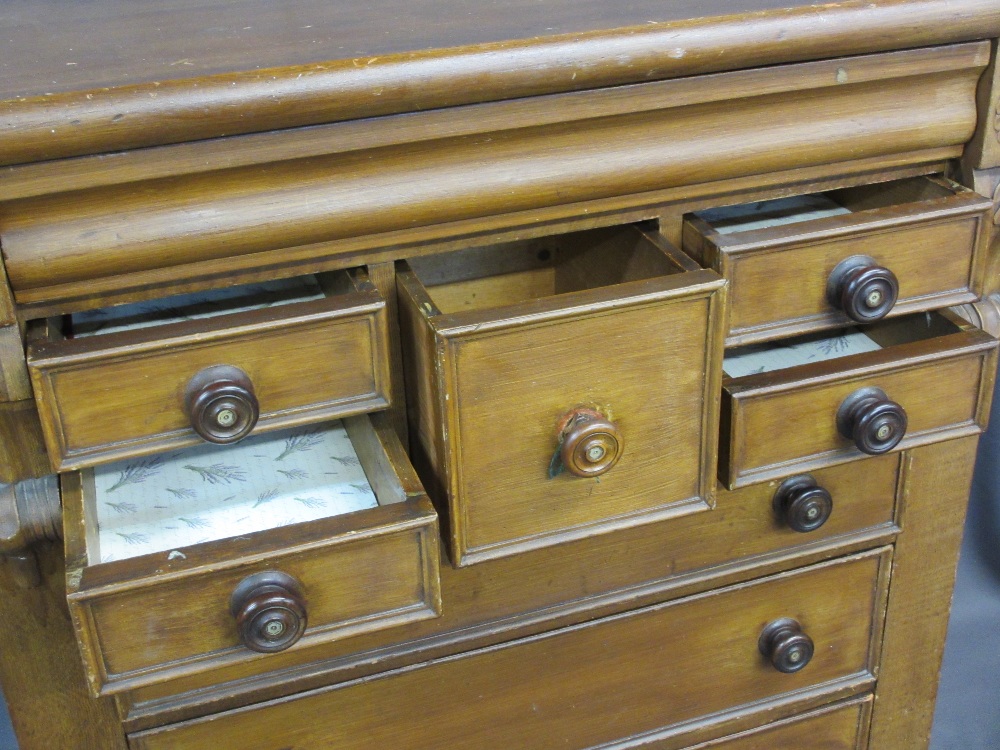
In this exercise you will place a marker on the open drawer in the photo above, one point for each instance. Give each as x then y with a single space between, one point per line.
562 387
147 377
211 555
852 255
837 396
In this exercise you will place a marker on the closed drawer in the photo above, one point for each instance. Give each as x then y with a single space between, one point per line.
562 387
595 683
120 382
214 556
829 398
857 254
841 727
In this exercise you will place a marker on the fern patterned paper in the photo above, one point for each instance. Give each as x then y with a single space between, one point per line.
208 492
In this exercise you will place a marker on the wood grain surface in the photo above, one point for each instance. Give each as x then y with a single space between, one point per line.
184 70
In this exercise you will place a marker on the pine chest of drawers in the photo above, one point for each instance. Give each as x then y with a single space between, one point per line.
554 375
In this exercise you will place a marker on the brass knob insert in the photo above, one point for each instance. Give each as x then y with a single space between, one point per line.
590 443
270 611
221 404
802 504
862 289
872 421
786 646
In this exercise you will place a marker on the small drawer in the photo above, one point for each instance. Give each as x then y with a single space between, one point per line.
853 255
143 378
562 387
633 675
827 398
211 556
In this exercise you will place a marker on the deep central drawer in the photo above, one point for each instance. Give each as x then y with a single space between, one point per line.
563 387
594 683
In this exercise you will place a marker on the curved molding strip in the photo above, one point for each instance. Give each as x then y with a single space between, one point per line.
109 115
253 216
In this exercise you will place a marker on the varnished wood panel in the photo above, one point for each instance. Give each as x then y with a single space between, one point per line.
840 728
148 84
162 615
645 353
586 685
785 421
122 394
57 245
932 511
933 237
22 445
44 686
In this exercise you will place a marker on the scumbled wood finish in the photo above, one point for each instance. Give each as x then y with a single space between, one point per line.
68 246
534 591
932 515
362 571
932 234
785 421
164 148
612 324
122 394
555 687
842 727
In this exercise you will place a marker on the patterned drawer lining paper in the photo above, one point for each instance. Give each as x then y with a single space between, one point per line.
207 493
773 213
759 358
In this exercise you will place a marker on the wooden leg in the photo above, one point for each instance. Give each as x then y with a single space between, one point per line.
932 513
40 666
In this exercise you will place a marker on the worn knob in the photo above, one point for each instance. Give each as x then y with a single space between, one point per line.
221 404
802 504
590 443
786 646
863 289
875 423
270 611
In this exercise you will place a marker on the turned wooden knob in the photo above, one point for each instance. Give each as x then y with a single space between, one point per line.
591 443
863 289
221 404
270 611
802 504
786 646
872 420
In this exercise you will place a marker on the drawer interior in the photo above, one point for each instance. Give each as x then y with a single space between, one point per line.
210 303
778 212
514 272
207 493
830 345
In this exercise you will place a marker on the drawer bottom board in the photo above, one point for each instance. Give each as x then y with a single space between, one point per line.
582 686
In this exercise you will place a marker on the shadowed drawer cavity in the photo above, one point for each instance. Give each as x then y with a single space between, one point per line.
827 398
853 255
212 556
561 387
120 382
593 683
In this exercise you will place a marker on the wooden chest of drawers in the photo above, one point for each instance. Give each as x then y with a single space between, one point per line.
555 375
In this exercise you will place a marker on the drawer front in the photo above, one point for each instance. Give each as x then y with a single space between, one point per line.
586 685
498 390
794 419
843 727
109 397
146 619
929 233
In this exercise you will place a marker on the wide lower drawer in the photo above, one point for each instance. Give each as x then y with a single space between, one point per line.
150 377
593 683
563 387
828 398
856 254
840 727
211 557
